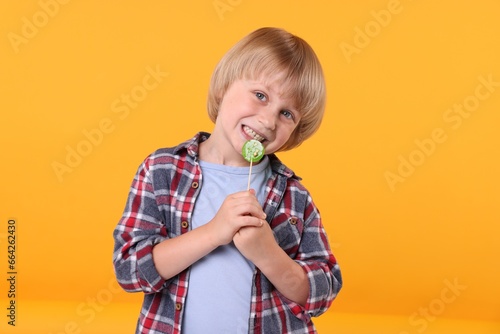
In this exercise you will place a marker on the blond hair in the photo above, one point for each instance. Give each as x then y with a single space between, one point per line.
270 51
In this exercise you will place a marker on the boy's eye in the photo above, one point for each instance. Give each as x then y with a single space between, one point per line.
260 96
287 114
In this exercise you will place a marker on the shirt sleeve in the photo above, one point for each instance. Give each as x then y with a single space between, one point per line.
317 260
138 231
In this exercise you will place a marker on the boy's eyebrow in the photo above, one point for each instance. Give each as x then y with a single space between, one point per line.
267 86
285 93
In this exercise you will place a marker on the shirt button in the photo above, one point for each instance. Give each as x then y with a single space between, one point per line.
184 224
194 185
293 220
178 306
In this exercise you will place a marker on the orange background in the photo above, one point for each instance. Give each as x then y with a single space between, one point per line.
406 181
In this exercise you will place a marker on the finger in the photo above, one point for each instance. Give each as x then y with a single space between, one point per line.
251 208
252 221
243 194
241 199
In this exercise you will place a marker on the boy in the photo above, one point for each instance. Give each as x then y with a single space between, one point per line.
210 256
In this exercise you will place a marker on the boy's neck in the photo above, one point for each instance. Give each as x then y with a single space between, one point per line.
210 151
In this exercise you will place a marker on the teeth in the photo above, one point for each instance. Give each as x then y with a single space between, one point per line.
253 134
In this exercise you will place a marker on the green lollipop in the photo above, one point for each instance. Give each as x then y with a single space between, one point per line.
252 150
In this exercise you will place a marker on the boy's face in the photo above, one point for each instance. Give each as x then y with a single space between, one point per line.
256 109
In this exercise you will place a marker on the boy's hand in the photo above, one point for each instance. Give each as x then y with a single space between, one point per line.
256 244
238 210
259 246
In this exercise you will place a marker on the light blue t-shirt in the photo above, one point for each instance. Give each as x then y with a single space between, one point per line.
220 284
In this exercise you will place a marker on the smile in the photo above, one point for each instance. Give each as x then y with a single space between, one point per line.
253 134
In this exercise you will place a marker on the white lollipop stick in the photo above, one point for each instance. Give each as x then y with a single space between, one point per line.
249 175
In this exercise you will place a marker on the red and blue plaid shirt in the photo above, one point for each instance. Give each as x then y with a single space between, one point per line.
160 206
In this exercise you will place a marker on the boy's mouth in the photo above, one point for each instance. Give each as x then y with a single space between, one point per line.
253 134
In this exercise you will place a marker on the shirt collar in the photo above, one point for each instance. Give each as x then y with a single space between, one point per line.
280 168
192 146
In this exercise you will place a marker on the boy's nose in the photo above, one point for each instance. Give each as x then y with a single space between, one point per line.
267 119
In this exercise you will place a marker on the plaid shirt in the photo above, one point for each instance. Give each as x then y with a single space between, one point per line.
160 205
